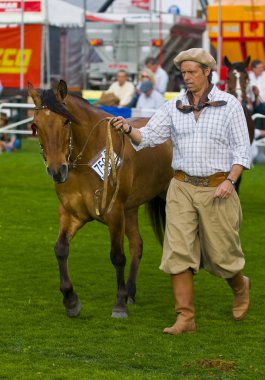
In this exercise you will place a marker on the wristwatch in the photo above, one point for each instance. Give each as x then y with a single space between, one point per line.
129 130
231 180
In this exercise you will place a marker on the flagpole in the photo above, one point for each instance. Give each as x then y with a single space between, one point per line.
219 39
22 35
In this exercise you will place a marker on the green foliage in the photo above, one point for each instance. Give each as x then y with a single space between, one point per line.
38 341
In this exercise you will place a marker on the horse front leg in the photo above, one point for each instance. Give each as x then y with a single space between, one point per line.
136 250
116 229
68 227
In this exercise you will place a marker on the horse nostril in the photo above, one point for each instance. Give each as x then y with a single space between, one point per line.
64 170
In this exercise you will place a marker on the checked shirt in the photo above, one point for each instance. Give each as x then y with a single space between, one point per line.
216 141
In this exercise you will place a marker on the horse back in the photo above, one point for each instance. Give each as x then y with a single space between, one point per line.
147 171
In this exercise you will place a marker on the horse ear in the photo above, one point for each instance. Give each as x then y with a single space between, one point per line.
34 94
247 61
227 63
61 90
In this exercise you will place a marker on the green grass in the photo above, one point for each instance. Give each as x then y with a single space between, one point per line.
37 340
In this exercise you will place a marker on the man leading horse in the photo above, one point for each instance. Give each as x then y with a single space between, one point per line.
211 148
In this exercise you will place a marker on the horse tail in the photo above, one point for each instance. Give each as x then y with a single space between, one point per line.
156 210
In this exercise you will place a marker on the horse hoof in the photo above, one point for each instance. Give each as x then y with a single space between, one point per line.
75 311
119 314
130 301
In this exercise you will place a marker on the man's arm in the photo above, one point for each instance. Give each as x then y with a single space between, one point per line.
225 189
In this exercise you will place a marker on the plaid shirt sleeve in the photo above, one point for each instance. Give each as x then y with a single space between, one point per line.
239 137
157 130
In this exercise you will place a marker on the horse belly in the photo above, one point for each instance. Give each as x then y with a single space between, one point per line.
152 173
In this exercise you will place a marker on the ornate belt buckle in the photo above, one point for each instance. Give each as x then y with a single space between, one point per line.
195 181
205 182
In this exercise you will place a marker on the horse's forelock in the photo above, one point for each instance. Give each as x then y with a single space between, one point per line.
238 66
49 100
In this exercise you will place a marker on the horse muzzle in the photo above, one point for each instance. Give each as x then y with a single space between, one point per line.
60 175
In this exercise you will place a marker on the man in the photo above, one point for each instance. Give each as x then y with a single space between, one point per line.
257 80
161 77
122 89
149 98
210 149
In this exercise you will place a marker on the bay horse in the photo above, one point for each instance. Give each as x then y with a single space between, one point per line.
237 82
72 136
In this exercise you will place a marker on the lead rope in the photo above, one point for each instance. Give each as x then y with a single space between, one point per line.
109 155
115 175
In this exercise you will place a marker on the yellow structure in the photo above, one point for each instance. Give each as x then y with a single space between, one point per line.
242 28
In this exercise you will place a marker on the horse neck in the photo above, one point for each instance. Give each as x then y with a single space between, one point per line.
91 129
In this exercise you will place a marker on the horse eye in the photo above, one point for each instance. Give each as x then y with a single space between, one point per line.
67 121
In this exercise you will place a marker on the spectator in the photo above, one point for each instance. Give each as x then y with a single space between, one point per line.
8 143
149 98
161 77
122 89
257 80
145 75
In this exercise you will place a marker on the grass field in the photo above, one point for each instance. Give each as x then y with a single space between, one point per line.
37 340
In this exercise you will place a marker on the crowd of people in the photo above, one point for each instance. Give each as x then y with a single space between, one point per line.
148 93
153 81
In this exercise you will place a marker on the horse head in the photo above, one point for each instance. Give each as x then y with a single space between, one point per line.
52 121
237 79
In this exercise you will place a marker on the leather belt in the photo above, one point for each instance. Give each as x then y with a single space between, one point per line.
210 181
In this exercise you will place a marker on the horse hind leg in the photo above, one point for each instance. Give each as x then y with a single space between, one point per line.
68 227
118 259
136 250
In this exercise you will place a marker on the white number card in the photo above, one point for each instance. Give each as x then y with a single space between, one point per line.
98 164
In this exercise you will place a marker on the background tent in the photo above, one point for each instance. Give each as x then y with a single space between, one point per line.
48 34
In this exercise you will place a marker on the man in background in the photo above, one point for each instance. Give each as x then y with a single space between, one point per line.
122 89
257 83
149 98
161 77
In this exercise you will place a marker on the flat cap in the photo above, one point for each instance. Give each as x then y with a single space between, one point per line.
146 86
197 55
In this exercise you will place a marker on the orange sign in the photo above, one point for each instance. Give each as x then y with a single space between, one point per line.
10 56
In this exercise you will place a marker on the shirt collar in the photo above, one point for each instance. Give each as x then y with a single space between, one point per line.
211 95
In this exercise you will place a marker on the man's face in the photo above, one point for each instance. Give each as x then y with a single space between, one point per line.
121 78
258 69
194 76
152 67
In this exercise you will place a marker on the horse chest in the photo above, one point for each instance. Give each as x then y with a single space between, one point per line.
77 204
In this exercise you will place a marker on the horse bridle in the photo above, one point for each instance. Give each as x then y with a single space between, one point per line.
70 146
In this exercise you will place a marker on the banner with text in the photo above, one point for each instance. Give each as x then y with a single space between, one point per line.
10 56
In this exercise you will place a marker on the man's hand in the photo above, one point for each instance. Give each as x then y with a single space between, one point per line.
120 124
224 190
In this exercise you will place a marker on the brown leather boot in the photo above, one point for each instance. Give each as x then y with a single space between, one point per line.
182 285
240 286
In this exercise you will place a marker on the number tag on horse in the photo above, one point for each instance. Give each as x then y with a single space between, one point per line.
98 164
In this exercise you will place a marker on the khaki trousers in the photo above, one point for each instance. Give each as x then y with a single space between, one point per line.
201 231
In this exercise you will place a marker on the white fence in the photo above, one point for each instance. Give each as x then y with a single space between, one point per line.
11 128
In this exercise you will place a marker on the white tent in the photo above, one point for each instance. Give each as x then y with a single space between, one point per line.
55 12
47 15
